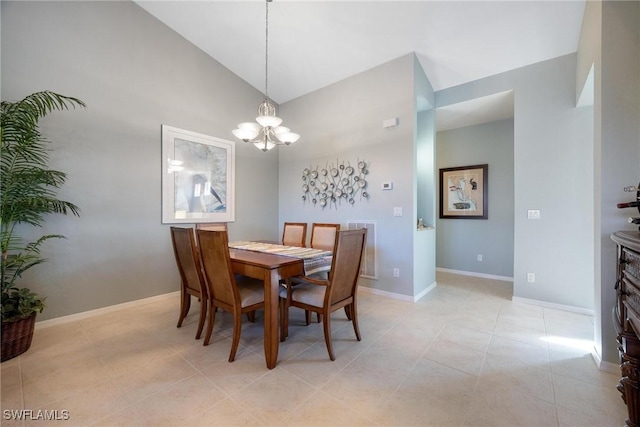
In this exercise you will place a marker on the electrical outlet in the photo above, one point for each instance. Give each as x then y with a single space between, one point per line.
531 277
396 272
479 257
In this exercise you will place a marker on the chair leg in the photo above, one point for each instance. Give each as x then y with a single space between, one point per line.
307 316
185 304
354 319
251 316
347 311
237 328
283 319
319 317
212 318
203 316
326 321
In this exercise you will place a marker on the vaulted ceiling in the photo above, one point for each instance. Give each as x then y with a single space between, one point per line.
313 44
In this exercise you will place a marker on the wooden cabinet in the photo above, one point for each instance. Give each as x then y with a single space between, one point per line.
626 320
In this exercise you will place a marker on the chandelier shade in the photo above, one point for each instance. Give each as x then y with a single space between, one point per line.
266 133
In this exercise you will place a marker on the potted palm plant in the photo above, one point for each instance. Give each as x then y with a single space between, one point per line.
27 196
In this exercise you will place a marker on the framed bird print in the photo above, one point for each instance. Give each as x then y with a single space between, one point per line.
463 192
198 174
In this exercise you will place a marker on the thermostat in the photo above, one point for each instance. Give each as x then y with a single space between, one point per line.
387 185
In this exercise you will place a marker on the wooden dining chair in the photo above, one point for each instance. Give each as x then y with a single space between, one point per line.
323 236
340 290
191 277
295 234
235 295
212 226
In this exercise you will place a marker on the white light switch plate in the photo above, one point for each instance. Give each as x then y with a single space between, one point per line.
533 214
397 211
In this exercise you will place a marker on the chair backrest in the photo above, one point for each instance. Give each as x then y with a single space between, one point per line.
345 266
216 263
212 226
324 236
294 234
187 259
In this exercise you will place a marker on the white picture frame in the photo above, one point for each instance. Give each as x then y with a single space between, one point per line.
198 177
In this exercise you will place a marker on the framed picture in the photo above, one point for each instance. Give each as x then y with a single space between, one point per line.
463 192
198 174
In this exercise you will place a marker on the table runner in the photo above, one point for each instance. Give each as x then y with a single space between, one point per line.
315 260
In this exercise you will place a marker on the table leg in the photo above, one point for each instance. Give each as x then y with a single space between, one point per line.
271 299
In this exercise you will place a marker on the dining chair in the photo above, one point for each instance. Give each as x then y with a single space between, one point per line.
212 226
191 277
236 295
294 234
323 236
340 290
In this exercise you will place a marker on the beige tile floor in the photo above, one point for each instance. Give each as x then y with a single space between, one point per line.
465 355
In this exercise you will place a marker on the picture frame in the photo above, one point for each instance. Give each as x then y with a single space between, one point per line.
464 192
198 177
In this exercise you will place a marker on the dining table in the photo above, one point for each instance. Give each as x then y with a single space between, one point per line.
271 264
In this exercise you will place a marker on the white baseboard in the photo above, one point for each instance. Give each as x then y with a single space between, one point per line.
426 291
474 274
604 366
570 308
87 314
393 295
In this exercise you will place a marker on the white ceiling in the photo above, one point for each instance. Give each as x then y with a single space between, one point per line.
313 44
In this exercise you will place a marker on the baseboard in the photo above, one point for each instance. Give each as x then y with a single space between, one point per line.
426 291
87 314
570 308
474 274
392 295
612 368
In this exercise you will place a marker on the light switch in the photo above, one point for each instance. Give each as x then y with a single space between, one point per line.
533 214
397 211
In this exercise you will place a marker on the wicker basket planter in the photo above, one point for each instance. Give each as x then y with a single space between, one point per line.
17 336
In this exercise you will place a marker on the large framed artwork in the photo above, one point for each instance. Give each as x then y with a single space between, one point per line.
198 174
463 192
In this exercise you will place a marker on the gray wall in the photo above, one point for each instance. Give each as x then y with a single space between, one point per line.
459 241
610 40
343 122
424 241
553 172
134 74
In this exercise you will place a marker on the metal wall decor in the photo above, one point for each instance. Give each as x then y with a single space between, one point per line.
335 183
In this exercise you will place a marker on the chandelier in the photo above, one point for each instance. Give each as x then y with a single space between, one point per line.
266 132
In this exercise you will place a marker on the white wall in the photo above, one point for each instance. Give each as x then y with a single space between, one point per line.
343 122
553 173
459 241
134 74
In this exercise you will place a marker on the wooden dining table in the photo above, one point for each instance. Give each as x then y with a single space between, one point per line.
269 268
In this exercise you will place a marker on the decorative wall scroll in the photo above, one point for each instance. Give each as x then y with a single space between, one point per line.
335 183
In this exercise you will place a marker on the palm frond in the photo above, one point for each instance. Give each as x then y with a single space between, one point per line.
28 188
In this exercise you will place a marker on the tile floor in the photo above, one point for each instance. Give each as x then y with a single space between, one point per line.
465 355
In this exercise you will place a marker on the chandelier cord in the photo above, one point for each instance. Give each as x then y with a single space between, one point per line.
266 51
267 132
